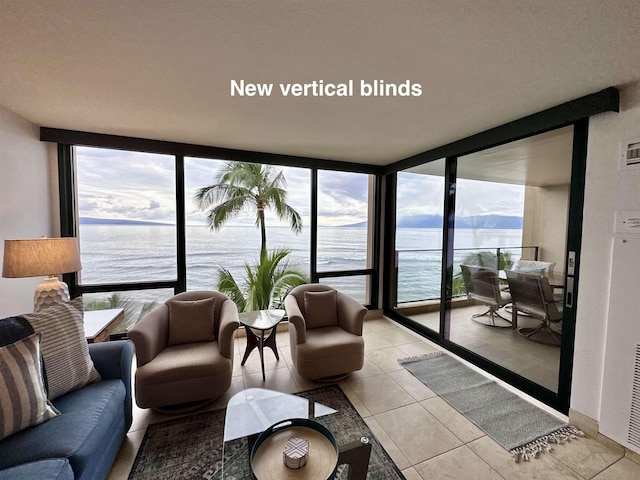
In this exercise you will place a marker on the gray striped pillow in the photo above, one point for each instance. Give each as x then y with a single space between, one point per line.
23 400
65 353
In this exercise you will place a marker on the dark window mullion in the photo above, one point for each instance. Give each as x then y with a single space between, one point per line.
313 254
181 227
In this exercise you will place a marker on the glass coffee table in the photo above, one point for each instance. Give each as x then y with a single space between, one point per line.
250 413
261 321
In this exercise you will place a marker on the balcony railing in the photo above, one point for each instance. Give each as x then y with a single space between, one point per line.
418 271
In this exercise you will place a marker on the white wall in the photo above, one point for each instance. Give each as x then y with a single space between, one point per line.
25 201
607 190
545 223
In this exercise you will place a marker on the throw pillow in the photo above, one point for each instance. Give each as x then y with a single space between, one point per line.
526 269
321 309
65 352
192 321
23 399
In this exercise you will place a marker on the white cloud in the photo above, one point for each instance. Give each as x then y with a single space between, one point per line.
141 186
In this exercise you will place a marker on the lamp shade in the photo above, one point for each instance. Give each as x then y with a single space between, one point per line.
41 256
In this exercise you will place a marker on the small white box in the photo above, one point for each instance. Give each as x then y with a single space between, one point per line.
295 452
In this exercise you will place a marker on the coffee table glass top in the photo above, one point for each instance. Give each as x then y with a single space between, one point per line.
254 410
262 319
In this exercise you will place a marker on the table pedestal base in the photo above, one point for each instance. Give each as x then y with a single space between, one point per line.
260 341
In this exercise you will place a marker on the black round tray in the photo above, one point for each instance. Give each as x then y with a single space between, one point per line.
294 424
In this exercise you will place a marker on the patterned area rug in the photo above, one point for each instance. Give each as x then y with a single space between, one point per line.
519 426
191 447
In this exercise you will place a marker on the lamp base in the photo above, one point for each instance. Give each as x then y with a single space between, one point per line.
50 292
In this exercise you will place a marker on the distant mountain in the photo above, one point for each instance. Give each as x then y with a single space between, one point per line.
356 225
476 221
116 221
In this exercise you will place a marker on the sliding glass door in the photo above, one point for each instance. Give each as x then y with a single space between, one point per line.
462 224
511 213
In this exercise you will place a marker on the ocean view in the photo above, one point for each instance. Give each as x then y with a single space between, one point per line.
142 253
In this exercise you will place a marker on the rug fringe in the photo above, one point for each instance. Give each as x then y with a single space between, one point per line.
416 358
532 449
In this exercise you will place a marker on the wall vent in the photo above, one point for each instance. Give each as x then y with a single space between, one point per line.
634 421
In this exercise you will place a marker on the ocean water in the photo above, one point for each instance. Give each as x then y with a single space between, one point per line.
142 253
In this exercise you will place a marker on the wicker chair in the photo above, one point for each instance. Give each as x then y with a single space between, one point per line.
532 294
483 286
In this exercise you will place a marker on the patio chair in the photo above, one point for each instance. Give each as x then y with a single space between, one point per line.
325 331
483 286
184 351
532 294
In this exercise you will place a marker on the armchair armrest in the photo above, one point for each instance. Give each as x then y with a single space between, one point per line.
151 334
229 323
113 361
296 320
351 314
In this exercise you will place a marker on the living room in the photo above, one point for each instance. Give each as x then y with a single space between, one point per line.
49 81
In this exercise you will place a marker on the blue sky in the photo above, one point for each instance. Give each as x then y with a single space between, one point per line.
140 186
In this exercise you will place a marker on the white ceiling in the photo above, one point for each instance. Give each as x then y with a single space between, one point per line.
543 160
162 69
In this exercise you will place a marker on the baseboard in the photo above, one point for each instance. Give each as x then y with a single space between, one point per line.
591 428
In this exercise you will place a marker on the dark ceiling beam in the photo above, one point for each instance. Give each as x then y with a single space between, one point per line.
74 137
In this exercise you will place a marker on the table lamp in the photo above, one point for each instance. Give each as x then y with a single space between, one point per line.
39 257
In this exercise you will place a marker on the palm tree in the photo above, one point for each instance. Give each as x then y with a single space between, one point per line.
241 186
265 285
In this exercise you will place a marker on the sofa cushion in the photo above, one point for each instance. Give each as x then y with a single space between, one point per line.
321 309
89 417
67 363
24 401
52 469
191 321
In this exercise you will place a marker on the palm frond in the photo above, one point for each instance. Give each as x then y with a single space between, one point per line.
228 285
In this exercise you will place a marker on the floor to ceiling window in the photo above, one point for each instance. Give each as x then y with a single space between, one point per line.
237 241
126 228
418 241
145 236
345 219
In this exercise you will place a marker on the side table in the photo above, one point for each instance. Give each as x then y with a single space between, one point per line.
98 324
261 321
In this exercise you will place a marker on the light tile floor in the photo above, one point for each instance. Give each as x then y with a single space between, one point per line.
425 436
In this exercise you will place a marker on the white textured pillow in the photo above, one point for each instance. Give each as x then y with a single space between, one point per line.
23 399
65 353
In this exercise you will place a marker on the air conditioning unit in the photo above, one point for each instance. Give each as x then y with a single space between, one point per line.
620 406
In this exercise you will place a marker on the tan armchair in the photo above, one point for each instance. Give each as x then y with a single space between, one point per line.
184 350
325 330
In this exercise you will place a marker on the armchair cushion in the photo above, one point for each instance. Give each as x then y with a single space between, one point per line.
321 309
191 321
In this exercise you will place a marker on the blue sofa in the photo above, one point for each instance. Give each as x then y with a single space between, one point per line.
83 442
